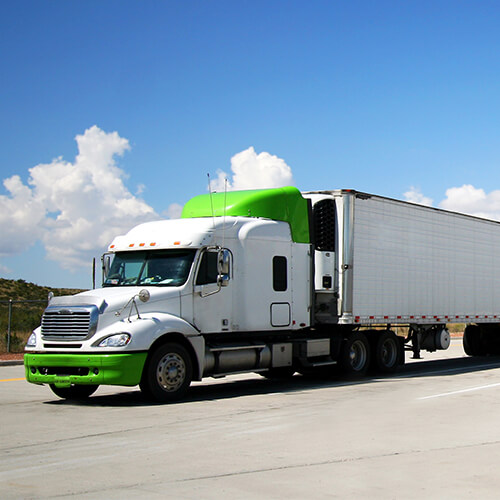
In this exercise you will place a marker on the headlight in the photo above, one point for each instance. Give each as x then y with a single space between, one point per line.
117 340
32 340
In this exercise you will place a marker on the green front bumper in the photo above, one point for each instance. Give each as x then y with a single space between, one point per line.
95 369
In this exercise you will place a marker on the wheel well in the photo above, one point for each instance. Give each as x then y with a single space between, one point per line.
179 339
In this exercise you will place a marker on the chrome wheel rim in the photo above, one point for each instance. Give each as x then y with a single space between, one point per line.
358 355
171 372
389 353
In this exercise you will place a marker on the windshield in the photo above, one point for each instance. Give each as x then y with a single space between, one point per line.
152 267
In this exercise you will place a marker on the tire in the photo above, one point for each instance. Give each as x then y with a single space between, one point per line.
490 335
472 341
355 355
168 373
74 392
386 356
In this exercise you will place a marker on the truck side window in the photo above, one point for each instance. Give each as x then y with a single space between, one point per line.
207 273
280 274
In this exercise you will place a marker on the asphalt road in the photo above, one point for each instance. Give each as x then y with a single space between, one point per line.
430 432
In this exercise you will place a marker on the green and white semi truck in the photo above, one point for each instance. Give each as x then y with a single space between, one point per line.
273 281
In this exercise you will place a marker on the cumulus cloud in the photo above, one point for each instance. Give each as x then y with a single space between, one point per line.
473 201
254 171
21 217
173 211
465 199
415 196
75 209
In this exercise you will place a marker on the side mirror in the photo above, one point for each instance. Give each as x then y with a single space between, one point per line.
223 279
223 266
223 260
106 264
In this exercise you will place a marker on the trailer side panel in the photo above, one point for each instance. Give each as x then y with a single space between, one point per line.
417 264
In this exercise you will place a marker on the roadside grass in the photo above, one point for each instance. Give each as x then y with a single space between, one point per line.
17 342
21 308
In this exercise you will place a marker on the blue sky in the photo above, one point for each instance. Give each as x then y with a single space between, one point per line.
396 98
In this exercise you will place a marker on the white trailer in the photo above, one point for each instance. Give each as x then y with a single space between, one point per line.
400 263
276 282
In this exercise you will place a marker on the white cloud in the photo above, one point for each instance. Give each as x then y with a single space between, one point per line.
173 211
254 171
465 199
473 201
75 209
415 196
21 217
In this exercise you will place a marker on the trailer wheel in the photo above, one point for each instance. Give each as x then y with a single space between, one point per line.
387 352
75 392
355 355
472 341
168 373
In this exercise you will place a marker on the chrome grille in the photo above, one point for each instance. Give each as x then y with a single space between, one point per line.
69 323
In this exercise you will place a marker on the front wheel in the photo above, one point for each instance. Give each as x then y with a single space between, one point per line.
168 373
75 392
355 355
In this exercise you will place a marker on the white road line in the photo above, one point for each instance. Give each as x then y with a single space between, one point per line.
461 391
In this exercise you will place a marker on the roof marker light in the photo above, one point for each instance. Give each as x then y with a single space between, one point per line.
141 244
152 244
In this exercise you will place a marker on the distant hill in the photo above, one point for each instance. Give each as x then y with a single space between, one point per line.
22 290
29 302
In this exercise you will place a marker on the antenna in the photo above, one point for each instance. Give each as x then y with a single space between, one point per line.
212 207
224 217
211 201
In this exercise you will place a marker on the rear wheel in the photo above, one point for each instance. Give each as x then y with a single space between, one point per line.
387 352
482 340
75 392
355 355
473 342
168 373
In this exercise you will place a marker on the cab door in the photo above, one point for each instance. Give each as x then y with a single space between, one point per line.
213 292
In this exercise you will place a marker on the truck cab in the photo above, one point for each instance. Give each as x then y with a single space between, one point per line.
216 284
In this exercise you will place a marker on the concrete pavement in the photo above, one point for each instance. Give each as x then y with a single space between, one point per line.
429 431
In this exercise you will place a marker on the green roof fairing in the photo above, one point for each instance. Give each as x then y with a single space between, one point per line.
284 204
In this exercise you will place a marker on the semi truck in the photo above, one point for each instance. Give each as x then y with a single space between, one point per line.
273 281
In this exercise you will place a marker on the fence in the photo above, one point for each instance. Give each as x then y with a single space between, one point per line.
24 322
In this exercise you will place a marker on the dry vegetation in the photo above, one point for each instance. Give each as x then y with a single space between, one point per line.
28 302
